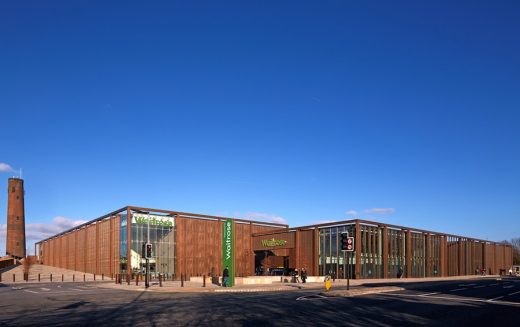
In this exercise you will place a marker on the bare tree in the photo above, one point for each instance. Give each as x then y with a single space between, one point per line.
27 263
515 242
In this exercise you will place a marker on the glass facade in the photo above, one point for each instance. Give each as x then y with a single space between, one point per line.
424 252
154 229
331 260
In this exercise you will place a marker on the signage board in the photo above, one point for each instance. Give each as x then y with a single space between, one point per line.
152 220
228 249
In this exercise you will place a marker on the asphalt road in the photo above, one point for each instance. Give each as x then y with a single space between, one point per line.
479 302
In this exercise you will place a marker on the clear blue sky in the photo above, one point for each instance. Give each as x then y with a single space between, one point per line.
404 112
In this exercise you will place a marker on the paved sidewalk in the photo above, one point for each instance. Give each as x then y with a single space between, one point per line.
175 286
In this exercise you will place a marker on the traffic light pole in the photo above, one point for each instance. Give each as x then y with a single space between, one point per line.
348 271
147 277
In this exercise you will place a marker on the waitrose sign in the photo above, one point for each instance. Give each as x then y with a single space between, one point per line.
228 249
152 220
272 243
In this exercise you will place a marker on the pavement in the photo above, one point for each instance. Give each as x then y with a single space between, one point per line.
482 301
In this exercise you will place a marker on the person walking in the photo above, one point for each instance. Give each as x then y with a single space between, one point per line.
303 275
225 277
296 276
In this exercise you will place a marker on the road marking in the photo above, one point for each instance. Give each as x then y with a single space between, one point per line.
513 293
510 286
77 289
311 297
458 289
429 294
31 291
493 284
45 289
515 304
467 284
480 286
497 298
17 288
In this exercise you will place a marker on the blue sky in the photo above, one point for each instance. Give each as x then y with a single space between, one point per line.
400 112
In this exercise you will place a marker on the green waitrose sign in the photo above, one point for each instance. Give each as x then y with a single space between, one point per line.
228 249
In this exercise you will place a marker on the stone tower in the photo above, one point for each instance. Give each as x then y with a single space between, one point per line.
15 246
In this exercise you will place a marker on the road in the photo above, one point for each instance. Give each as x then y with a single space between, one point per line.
478 302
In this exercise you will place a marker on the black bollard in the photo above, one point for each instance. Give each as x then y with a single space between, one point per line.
204 281
51 278
160 280
182 280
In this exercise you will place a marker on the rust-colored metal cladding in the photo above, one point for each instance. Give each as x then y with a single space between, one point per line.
15 246
192 245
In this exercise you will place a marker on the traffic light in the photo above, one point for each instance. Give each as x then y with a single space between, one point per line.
347 243
344 239
148 254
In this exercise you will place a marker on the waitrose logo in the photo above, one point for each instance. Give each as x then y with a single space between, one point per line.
272 242
152 220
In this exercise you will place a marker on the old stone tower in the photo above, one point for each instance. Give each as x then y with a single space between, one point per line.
15 246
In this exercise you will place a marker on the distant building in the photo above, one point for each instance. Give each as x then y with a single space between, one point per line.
15 240
196 245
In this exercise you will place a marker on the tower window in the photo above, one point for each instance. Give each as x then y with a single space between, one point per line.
17 217
12 189
17 243
17 197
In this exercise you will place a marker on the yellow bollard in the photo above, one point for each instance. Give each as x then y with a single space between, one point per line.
327 283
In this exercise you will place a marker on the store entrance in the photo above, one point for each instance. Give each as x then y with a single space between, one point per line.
267 263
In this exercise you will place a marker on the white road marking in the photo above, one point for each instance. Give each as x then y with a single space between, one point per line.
45 289
493 284
497 298
429 294
31 291
510 286
311 297
480 286
513 293
17 288
458 299
467 284
77 289
458 289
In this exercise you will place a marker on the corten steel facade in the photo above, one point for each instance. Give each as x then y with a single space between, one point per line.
191 244
183 243
385 251
15 245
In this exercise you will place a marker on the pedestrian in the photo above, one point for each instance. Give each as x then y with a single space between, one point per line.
511 271
400 272
332 275
303 274
225 277
296 276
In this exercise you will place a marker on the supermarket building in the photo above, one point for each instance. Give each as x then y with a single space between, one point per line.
197 245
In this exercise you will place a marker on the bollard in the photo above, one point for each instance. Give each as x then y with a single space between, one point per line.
182 280
128 279
0 277
136 280
94 276
73 277
116 278
84 278
61 277
281 279
160 280
38 277
102 276
14 278
204 281
51 278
